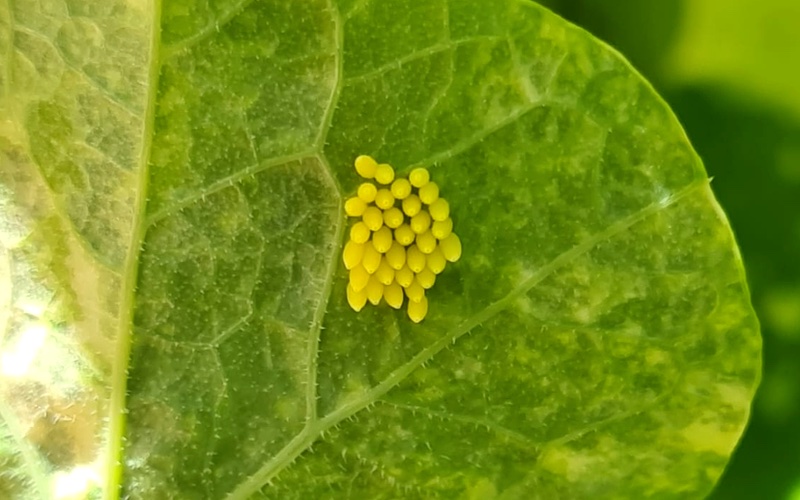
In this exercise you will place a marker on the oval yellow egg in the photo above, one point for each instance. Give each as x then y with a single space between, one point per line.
419 177
396 256
436 261
367 192
366 166
371 259
352 254
393 217
404 235
359 277
384 173
374 291
451 247
359 232
393 294
356 299
354 207
426 278
421 222
384 273
373 218
401 188
418 310
440 209
382 239
426 242
412 205
429 193
415 292
415 259
441 229
384 199
404 276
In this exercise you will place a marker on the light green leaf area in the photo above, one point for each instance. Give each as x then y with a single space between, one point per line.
172 296
742 48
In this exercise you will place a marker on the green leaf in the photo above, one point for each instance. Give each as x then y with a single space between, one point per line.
732 136
172 297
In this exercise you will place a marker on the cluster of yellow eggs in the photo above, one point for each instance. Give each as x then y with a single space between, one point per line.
402 242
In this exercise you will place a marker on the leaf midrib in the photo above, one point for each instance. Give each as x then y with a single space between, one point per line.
117 411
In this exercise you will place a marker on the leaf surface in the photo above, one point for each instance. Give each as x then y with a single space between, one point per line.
172 239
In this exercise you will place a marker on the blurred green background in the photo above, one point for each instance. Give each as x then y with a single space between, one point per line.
731 72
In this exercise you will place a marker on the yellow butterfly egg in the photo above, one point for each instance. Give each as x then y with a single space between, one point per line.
436 261
371 259
451 247
359 277
389 257
429 193
373 218
419 177
393 217
367 192
418 310
404 277
426 278
401 188
415 292
352 254
374 291
384 199
412 205
354 207
404 235
393 293
439 209
421 222
441 229
382 239
359 233
426 242
396 256
384 173
385 273
366 166
356 299
415 259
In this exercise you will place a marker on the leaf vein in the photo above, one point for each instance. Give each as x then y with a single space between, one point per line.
429 51
223 183
478 136
116 407
336 93
206 32
530 93
466 419
99 87
33 463
319 313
